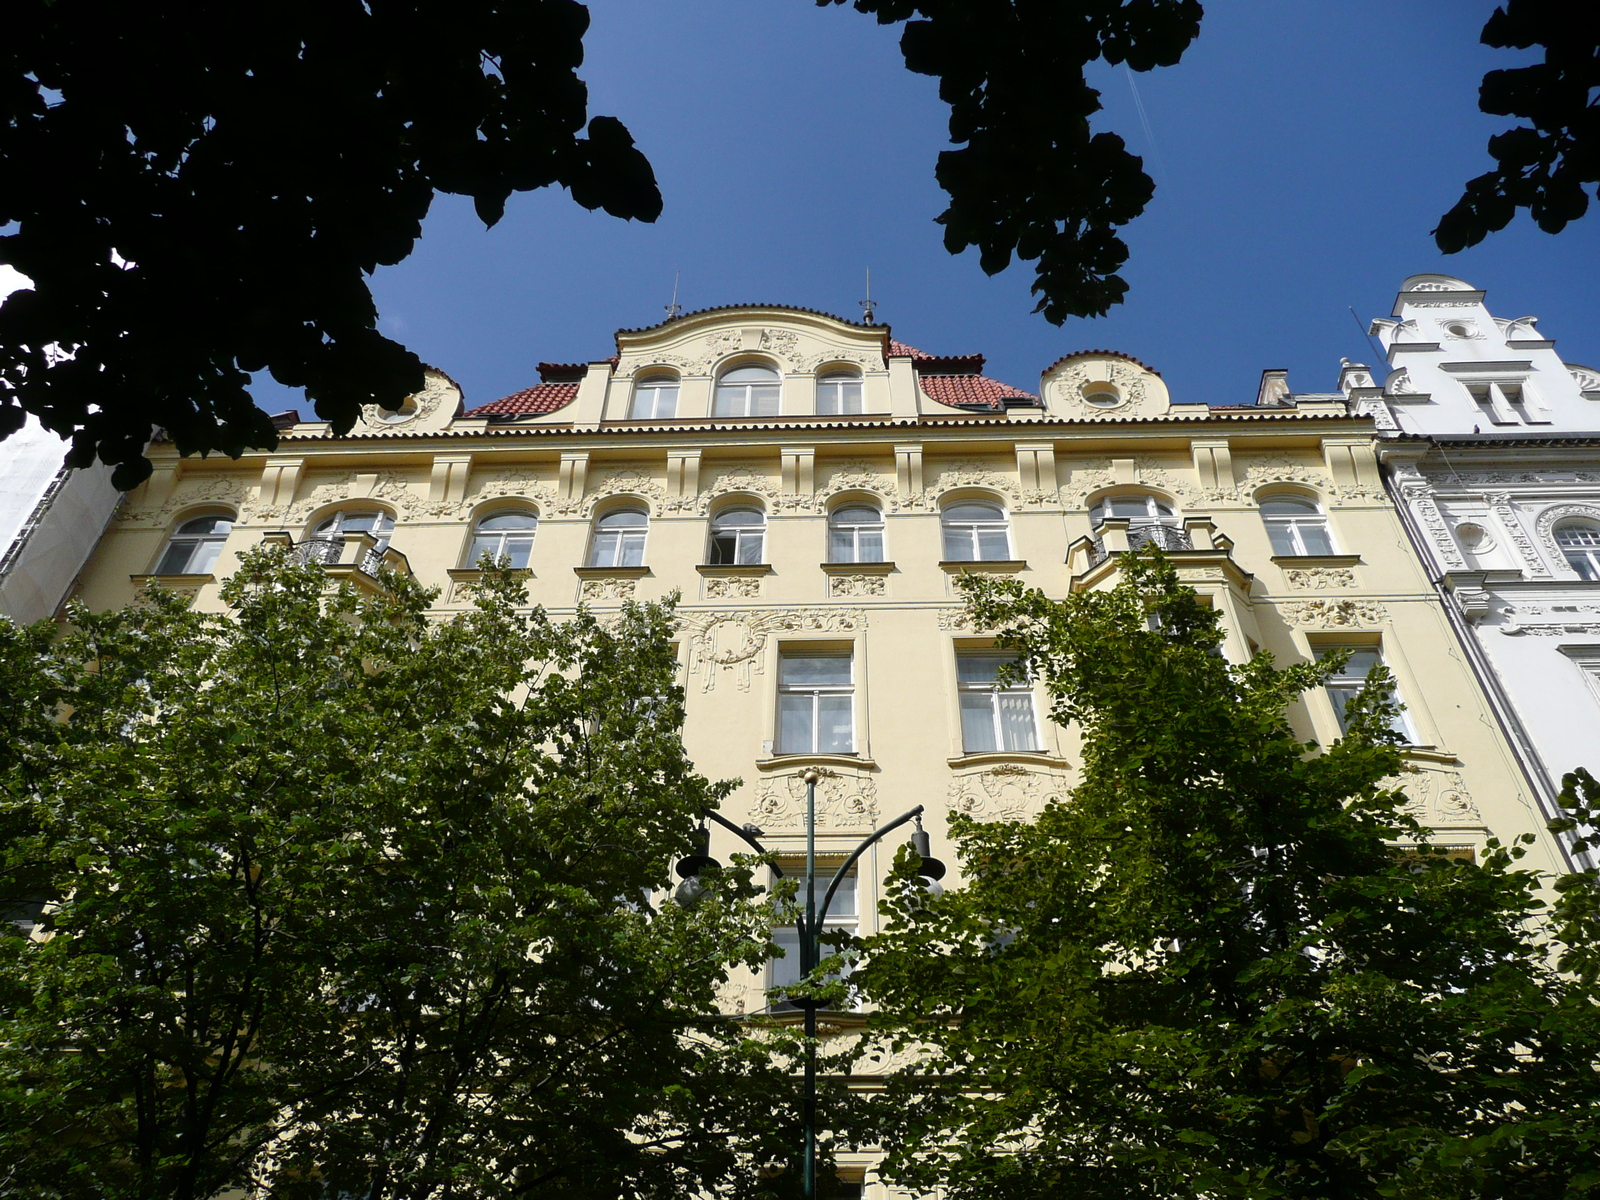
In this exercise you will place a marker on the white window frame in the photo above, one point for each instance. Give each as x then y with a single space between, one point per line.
1582 557
203 549
855 529
655 398
1292 525
737 398
742 536
787 936
996 692
1350 686
840 394
503 543
971 531
620 540
816 692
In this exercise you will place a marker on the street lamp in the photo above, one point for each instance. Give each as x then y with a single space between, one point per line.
809 927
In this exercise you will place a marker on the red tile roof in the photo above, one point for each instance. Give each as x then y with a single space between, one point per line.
541 398
901 350
972 391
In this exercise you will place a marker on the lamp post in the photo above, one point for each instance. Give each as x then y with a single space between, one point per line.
809 927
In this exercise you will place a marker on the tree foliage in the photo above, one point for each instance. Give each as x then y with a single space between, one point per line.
344 901
1030 178
199 190
1210 971
1546 165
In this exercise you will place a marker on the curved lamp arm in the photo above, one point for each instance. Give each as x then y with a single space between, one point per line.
838 877
750 840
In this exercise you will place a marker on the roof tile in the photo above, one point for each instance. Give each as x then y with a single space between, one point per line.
972 391
534 401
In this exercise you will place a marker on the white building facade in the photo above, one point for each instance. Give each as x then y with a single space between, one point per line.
51 518
1491 449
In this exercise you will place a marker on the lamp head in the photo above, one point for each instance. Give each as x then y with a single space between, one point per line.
930 868
698 859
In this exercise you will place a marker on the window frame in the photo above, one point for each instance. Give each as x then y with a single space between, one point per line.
632 535
1586 553
475 551
794 868
199 544
1352 686
996 691
723 389
741 536
816 692
1101 512
840 404
654 383
974 530
855 530
1294 525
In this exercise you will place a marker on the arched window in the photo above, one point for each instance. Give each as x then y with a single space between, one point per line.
655 397
738 536
1580 546
1151 521
619 539
975 531
194 547
503 535
1296 526
855 534
328 538
1139 510
838 394
747 392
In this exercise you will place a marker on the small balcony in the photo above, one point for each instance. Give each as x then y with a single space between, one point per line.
356 557
1197 549
1137 537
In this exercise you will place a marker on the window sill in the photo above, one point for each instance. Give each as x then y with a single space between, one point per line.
474 574
611 572
779 762
1318 560
738 570
1007 565
175 582
988 758
857 568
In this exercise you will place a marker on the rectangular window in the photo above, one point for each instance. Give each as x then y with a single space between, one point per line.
843 914
1352 677
816 704
994 716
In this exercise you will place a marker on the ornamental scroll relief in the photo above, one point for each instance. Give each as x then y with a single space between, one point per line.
1437 798
1005 793
735 642
1336 614
1320 579
843 802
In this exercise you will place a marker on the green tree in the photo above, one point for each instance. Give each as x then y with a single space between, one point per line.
345 901
1213 971
199 190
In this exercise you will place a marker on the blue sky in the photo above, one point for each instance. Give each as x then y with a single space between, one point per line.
1302 152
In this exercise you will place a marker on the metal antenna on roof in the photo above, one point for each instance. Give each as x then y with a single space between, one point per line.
868 304
674 308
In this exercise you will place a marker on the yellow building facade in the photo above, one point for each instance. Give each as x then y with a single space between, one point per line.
812 489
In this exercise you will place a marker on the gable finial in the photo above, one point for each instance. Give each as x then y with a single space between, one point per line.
868 305
674 308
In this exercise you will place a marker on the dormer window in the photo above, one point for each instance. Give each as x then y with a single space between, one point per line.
838 394
747 392
655 398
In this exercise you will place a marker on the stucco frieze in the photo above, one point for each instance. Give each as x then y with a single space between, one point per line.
1084 478
190 492
1511 525
1320 579
1005 792
1336 614
844 801
847 586
735 642
1437 797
